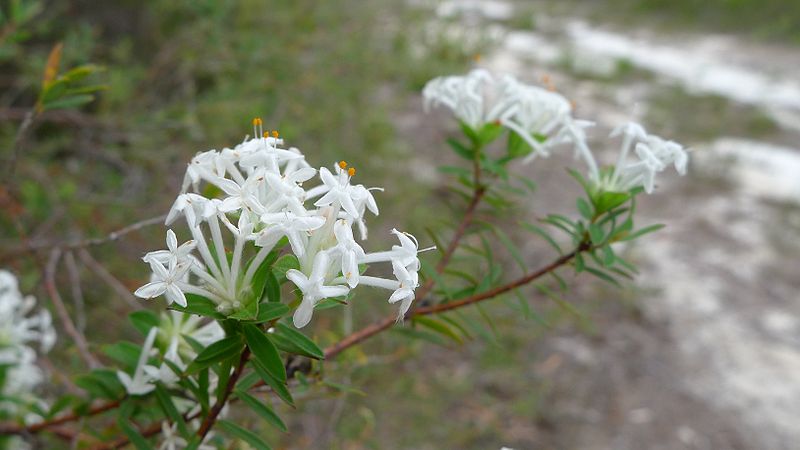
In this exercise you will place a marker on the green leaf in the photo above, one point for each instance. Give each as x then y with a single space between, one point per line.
199 305
461 150
165 402
277 386
133 434
596 234
262 410
306 345
218 351
603 276
243 434
544 234
584 208
489 132
102 383
424 335
566 306
143 320
268 311
608 256
283 264
273 288
439 327
606 201
516 146
642 231
264 351
68 102
124 352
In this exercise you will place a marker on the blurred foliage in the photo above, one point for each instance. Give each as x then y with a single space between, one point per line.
763 19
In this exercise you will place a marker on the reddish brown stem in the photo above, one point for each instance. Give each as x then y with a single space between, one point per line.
211 418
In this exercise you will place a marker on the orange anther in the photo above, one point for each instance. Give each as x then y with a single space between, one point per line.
257 122
275 134
351 171
343 164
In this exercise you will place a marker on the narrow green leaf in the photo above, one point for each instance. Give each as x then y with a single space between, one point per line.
603 276
596 234
439 327
133 434
608 256
264 351
544 234
262 410
268 311
124 352
196 304
243 434
308 346
218 351
165 402
584 208
642 231
277 386
143 320
566 306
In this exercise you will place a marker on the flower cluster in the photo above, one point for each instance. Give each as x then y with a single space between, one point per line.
249 199
543 119
20 331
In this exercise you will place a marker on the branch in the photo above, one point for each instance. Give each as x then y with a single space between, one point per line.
113 236
211 418
61 310
387 322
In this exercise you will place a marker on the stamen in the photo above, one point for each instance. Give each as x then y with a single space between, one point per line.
433 247
351 171
266 134
275 134
257 123
343 164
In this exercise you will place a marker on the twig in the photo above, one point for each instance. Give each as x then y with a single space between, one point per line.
211 418
77 292
387 322
113 236
73 416
88 260
19 141
61 310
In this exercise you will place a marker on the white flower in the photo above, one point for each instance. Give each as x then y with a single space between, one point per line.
173 252
339 191
464 95
349 250
166 282
294 227
409 281
140 383
405 253
193 206
313 288
654 154
241 196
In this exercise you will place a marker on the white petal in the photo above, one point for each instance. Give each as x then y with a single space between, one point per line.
302 315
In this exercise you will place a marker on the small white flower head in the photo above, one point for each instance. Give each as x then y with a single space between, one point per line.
258 198
464 95
654 155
